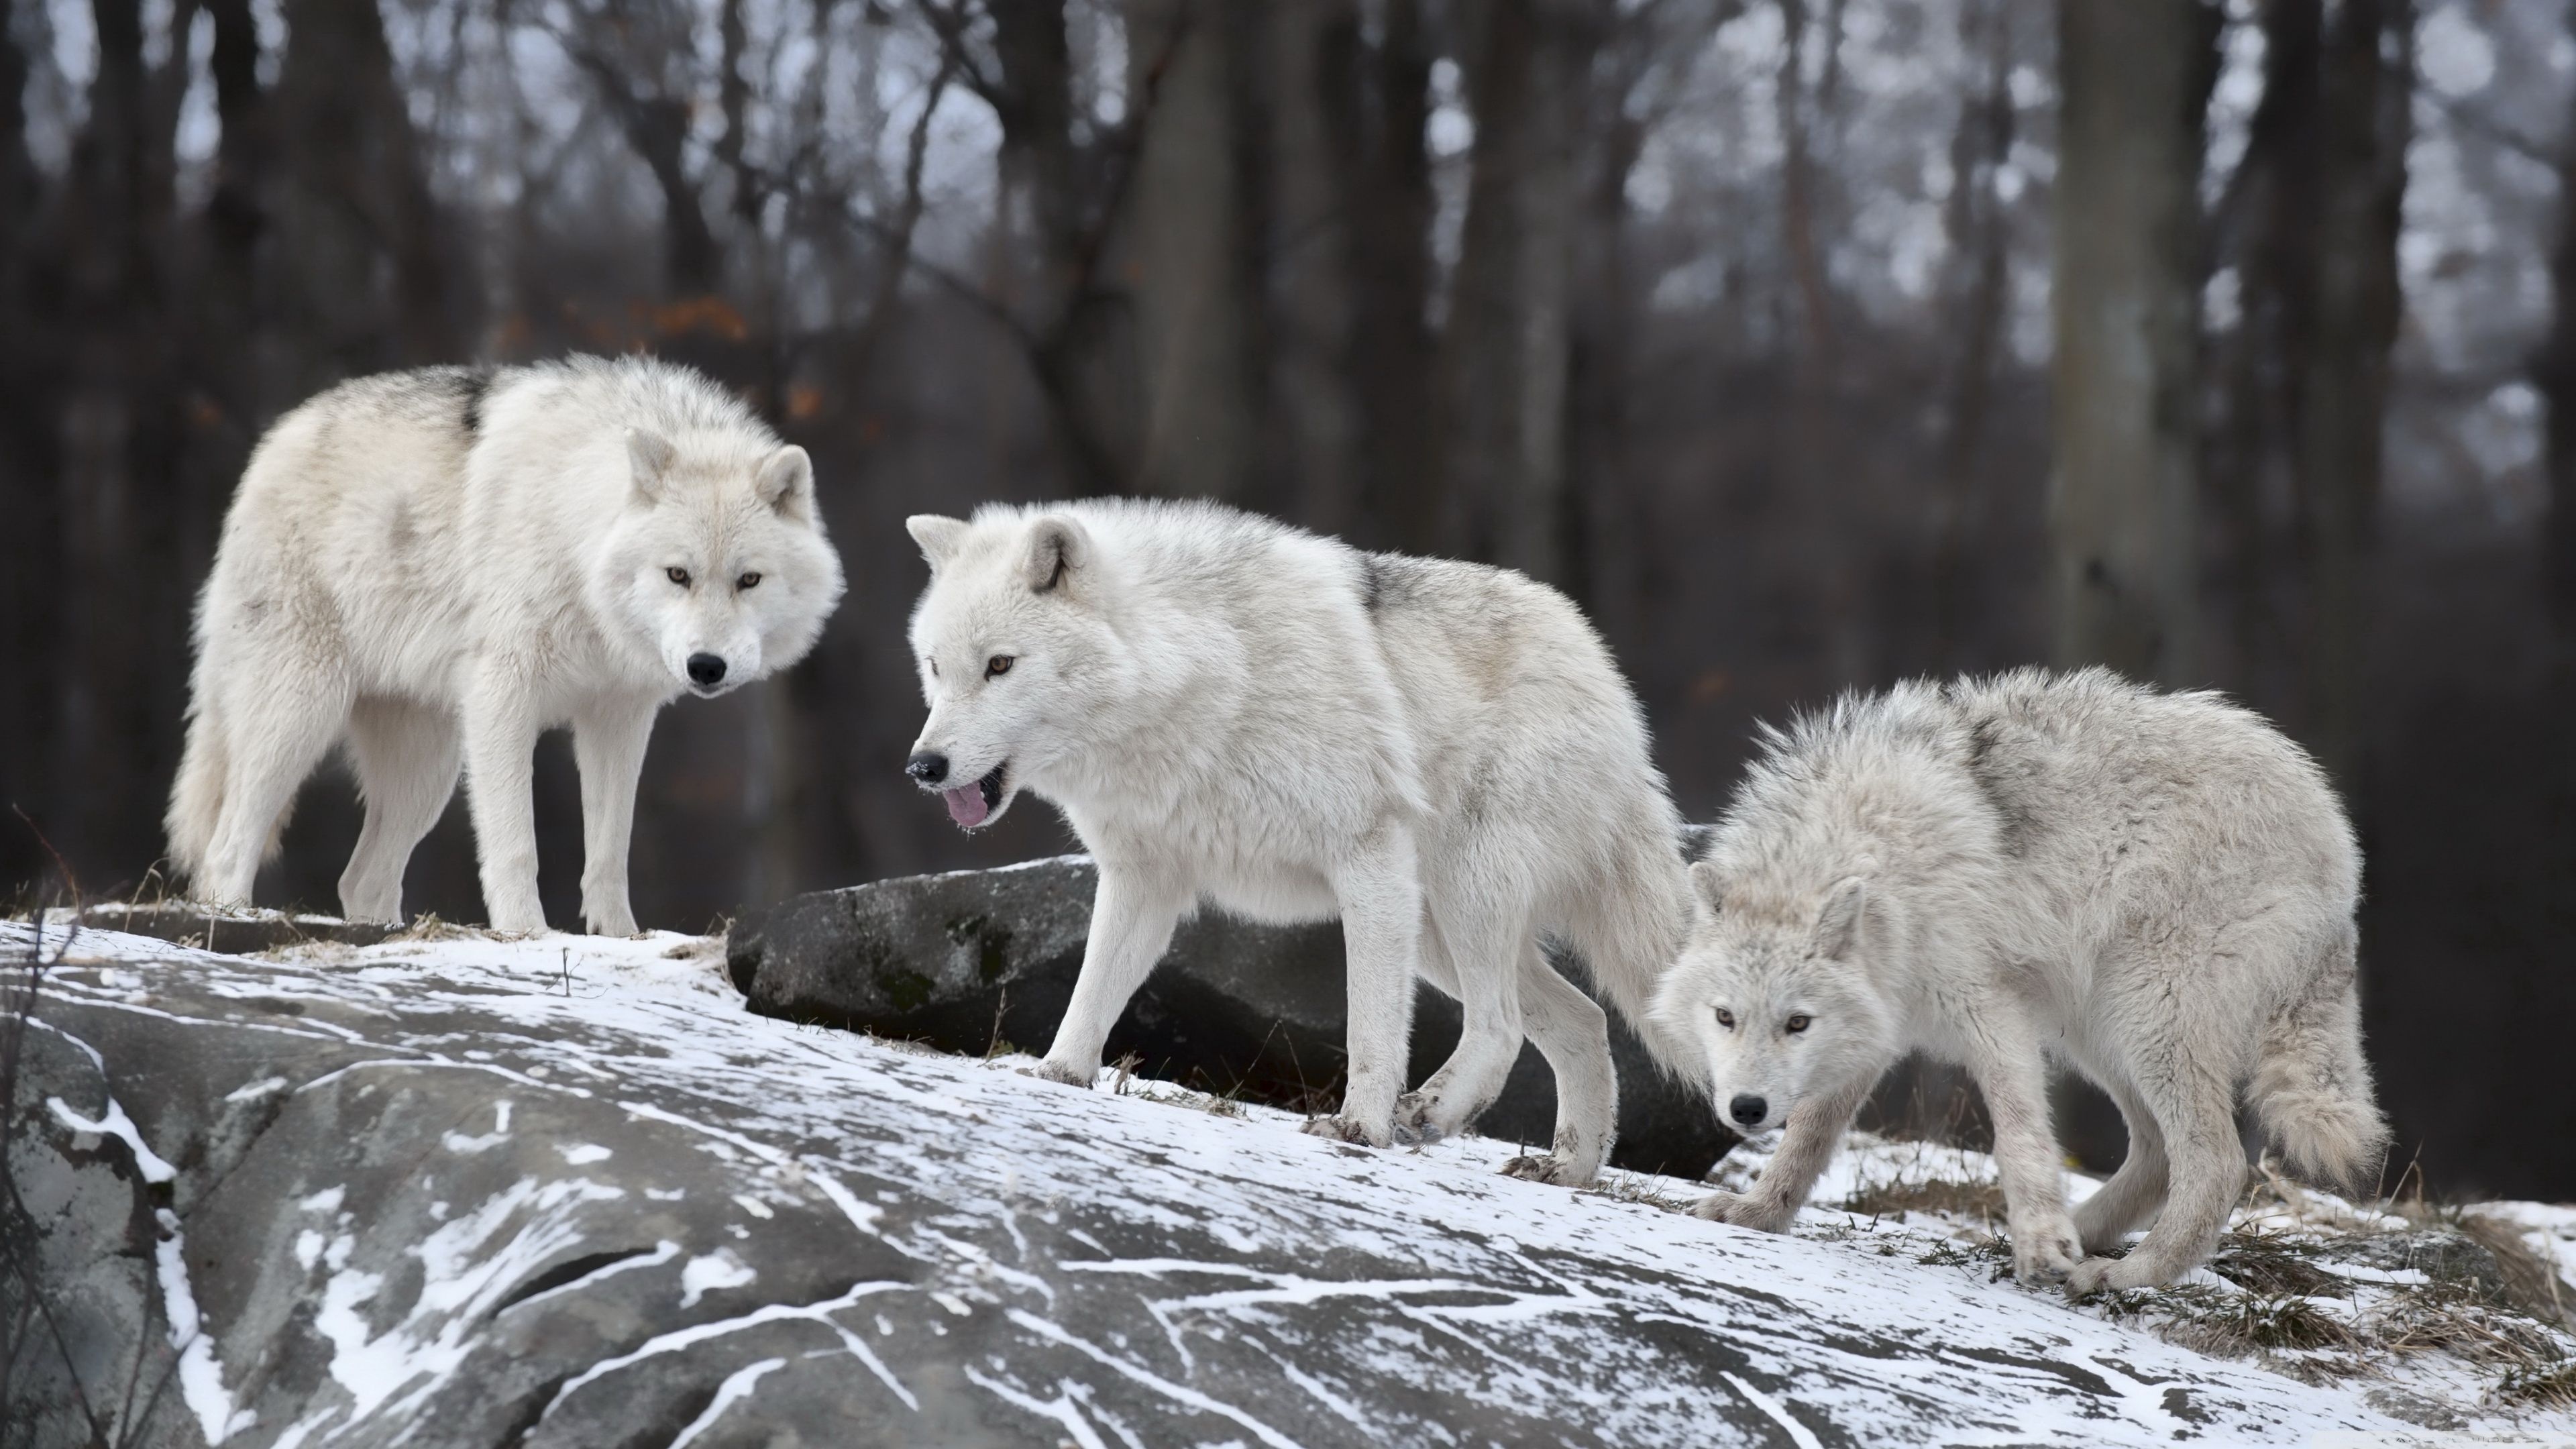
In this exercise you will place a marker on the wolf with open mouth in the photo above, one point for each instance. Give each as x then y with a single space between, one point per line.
1234 713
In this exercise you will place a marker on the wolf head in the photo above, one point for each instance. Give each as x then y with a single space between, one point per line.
1767 1007
1019 663
717 565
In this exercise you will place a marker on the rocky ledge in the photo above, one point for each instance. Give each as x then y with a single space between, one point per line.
450 1190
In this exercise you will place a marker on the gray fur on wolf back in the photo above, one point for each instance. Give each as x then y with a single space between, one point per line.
2157 889
431 567
1237 713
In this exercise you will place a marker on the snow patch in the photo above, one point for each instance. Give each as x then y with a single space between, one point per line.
711 1271
114 1123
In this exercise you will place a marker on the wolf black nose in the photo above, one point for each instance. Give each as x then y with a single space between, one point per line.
705 669
1747 1108
927 768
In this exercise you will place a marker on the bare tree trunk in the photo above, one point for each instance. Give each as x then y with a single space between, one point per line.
1508 333
656 126
30 554
361 263
119 444
1195 295
2268 214
1798 182
1038 156
1048 281
1979 235
1603 325
2365 92
1316 419
2553 372
2134 84
1404 503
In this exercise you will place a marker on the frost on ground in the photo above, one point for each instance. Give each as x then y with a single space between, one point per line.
456 1190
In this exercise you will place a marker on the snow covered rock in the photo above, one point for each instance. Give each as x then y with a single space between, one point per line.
564 1191
982 960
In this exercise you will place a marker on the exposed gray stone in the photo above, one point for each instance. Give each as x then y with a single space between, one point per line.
237 932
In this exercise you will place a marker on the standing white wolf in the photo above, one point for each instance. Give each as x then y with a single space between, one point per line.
433 567
1233 712
2158 888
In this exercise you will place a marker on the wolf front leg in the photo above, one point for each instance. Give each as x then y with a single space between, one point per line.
500 749
608 740
1814 1131
1132 916
2004 1057
1379 884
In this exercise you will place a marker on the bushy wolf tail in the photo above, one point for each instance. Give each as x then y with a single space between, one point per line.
1630 931
197 797
2311 1087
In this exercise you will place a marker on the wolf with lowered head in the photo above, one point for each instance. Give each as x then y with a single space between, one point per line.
429 568
2157 889
1235 713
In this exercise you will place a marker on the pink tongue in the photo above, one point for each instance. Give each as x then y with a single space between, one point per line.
965 805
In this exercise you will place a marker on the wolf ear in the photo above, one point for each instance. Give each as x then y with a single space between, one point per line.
1057 546
937 535
1710 885
651 456
1838 924
786 481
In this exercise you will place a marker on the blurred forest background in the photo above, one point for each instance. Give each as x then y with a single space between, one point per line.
1809 343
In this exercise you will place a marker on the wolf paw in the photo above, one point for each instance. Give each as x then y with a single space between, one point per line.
1053 1071
1344 1129
2094 1275
1759 1214
1548 1167
2047 1253
1413 1124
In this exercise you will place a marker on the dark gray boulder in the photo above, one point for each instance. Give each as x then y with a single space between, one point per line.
978 961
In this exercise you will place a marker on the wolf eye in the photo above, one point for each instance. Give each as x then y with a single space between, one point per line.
1726 1018
678 576
997 665
1798 1023
747 581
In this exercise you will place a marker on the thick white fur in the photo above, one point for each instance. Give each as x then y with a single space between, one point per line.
433 567
2156 888
1233 712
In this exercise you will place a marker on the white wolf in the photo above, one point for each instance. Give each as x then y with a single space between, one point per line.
1233 712
2157 888
435 566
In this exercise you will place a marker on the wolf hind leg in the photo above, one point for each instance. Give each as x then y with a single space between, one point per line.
1481 945
277 728
2135 1191
1573 1033
2194 1109
407 758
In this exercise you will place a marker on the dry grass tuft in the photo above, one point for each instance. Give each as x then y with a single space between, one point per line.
1980 1200
2531 1282
2538 1388
2268 1265
1670 1194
